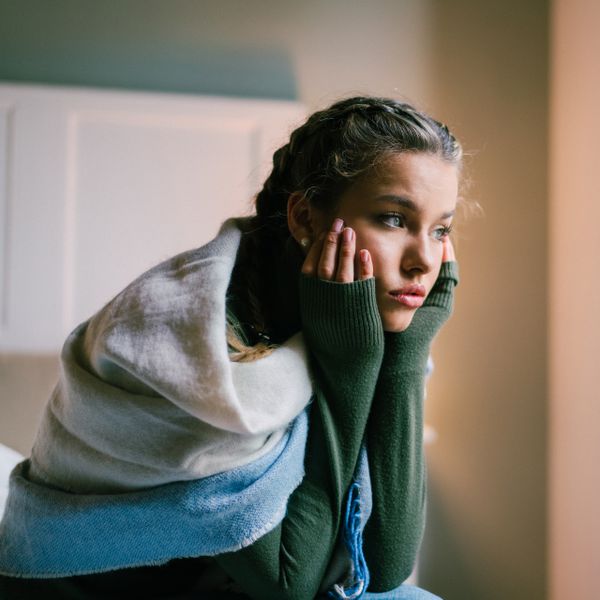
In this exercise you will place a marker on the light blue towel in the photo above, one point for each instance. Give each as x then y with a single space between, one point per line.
50 533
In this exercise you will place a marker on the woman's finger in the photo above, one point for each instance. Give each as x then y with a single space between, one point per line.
345 266
309 266
448 255
365 265
328 260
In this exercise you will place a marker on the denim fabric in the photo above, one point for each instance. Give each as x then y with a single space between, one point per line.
359 504
404 592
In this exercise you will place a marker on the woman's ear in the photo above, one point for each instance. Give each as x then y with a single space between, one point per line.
304 221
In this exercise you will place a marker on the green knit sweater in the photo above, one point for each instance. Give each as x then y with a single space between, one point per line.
368 386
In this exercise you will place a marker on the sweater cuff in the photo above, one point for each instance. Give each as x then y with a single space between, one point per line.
340 314
442 292
449 270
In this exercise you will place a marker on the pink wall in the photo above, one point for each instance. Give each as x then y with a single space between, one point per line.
574 524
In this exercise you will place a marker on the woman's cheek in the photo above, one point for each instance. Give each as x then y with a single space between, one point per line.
438 263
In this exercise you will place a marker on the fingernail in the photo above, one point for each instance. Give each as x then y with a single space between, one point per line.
337 225
364 256
348 233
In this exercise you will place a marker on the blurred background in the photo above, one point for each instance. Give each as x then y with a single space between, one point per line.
513 485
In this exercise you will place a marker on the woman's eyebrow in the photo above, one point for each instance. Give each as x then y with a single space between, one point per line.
400 200
409 204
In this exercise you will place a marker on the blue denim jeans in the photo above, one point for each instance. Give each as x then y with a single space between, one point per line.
404 592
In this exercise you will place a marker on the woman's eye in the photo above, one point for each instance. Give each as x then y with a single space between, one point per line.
441 233
392 220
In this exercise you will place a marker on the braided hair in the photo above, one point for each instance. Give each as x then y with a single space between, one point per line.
323 157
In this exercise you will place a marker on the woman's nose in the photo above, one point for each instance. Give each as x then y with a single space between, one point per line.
418 255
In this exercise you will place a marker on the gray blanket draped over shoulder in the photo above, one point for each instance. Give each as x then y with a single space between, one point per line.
147 394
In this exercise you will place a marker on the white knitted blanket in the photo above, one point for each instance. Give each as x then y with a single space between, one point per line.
147 393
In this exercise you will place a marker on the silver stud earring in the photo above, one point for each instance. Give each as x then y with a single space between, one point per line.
305 242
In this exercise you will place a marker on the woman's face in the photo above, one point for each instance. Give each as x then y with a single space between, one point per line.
402 214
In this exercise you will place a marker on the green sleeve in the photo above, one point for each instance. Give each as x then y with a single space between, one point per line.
344 335
395 442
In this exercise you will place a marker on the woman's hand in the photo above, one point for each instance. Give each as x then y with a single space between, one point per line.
448 253
333 256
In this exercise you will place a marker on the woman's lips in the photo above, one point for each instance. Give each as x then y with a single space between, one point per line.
411 296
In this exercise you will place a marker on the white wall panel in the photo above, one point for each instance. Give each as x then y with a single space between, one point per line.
165 188
5 128
35 183
106 184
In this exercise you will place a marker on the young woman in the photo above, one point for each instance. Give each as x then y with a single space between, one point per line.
245 419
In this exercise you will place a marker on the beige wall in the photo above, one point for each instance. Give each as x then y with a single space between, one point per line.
488 399
26 382
575 302
482 67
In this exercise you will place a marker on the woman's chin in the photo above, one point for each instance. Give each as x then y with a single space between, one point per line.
396 323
